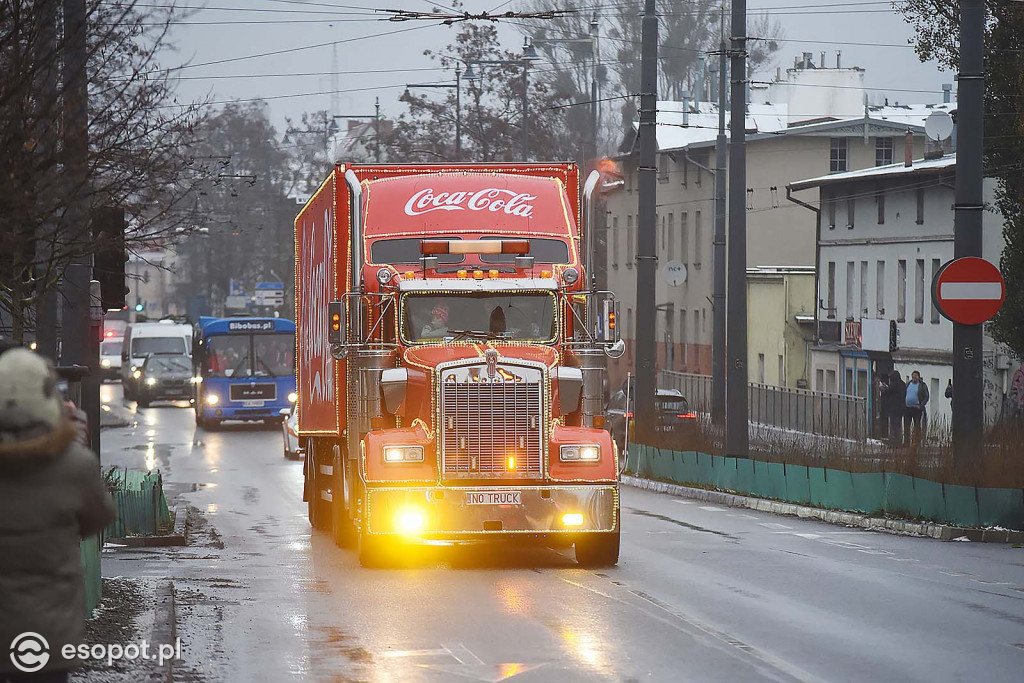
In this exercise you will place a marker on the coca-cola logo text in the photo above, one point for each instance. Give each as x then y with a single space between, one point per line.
489 199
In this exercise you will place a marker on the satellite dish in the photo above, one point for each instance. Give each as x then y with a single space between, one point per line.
938 126
674 273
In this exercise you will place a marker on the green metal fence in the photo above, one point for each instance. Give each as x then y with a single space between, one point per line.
140 502
868 492
90 551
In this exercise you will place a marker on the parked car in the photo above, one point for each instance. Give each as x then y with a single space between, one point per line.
290 431
674 415
164 377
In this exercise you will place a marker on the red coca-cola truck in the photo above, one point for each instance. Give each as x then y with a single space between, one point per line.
451 354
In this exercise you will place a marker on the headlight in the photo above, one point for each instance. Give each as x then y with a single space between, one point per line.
403 454
580 453
293 397
105 362
137 374
212 399
150 381
197 380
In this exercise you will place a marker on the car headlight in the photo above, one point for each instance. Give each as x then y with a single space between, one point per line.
150 381
105 362
293 397
403 454
580 453
137 374
212 399
197 380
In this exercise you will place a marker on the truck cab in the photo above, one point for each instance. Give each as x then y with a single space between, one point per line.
467 357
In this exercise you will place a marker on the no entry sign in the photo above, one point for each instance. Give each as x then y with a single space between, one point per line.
969 290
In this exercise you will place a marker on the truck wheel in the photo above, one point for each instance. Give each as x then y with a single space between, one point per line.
373 551
344 530
597 550
319 510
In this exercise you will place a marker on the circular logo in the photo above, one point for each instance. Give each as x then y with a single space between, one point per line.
29 652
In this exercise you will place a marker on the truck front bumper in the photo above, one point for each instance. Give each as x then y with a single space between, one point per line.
446 512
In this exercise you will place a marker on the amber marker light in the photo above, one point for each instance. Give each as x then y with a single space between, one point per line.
599 421
510 462
572 519
409 275
478 275
545 273
461 274
492 273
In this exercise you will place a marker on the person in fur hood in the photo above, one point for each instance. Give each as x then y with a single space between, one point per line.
51 496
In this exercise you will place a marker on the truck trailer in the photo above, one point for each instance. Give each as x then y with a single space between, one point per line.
451 350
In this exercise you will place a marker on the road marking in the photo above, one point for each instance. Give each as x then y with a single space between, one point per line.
712 508
808 536
773 525
682 502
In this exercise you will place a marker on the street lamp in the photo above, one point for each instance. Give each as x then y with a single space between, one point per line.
529 55
458 102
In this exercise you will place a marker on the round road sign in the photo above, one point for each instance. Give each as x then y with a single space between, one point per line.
968 290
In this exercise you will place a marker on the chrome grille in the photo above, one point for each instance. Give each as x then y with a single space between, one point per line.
483 424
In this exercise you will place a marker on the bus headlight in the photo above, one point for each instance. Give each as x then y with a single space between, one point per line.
580 453
403 454
293 397
212 399
105 362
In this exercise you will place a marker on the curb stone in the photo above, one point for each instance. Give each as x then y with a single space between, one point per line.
165 626
942 532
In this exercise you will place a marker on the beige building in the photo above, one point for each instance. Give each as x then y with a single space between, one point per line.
780 325
796 137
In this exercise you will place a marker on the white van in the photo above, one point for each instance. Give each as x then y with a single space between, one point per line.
142 340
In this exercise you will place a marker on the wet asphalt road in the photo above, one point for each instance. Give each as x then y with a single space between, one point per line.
702 593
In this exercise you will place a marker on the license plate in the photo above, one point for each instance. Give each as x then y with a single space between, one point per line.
252 404
494 498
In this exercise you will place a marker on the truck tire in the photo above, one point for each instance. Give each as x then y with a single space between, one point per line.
318 509
597 550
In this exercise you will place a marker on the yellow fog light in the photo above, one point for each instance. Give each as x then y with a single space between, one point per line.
510 462
293 397
212 399
572 519
409 521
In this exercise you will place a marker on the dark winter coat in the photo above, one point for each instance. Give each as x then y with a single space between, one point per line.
894 395
51 496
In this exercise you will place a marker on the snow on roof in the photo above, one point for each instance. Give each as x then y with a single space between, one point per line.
919 166
701 126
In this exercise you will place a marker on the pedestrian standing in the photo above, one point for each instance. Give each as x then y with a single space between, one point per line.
51 496
894 403
916 404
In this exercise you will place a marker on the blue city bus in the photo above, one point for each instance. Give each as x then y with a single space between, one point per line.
244 369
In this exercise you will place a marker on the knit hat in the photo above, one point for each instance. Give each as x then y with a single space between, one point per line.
440 312
29 401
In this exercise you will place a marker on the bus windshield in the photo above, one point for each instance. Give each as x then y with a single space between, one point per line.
528 316
247 355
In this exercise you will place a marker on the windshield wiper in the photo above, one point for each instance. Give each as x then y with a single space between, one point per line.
479 334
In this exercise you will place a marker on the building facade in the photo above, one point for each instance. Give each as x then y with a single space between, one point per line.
802 133
883 235
780 325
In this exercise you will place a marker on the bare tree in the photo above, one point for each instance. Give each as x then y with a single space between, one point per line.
139 141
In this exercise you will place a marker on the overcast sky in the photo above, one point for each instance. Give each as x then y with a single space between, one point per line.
377 58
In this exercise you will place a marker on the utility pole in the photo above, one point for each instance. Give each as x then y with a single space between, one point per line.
525 104
736 416
77 347
647 255
968 340
46 61
376 130
718 302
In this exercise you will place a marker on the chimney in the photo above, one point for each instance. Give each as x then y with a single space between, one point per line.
839 59
908 149
807 60
947 92
686 107
701 94
796 62
821 64
778 74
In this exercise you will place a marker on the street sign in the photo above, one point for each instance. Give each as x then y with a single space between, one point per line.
968 290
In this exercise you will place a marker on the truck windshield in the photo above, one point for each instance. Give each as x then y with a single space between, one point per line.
485 315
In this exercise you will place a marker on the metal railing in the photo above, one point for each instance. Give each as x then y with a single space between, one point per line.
800 410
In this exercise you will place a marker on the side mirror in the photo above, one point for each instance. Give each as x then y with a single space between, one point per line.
285 412
615 350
